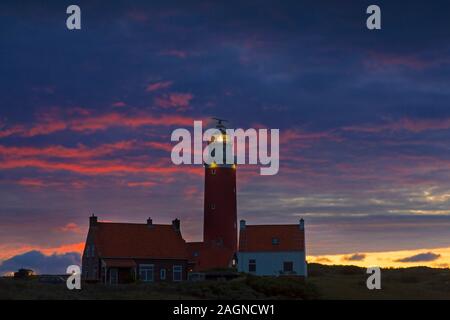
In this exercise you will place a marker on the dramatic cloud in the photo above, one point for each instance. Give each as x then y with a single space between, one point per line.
428 256
41 263
363 118
92 123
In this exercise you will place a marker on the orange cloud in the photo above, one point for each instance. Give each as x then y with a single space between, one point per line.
119 104
146 184
390 259
8 251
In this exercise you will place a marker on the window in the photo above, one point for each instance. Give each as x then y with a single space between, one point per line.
162 274
88 251
92 251
177 273
213 172
196 254
252 265
113 276
288 266
146 272
213 206
275 241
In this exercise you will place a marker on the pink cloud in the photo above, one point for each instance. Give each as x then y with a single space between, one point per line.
175 53
71 227
119 104
63 152
158 86
179 101
378 60
147 184
31 182
413 125
99 167
49 124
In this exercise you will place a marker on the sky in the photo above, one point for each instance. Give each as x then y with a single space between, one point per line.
86 118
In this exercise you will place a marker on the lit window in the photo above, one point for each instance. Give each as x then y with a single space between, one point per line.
146 272
252 265
162 274
177 273
275 241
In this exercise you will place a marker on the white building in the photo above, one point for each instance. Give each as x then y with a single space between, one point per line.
272 250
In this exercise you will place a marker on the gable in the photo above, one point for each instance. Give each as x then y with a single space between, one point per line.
254 238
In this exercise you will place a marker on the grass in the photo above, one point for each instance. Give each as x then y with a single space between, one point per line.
324 282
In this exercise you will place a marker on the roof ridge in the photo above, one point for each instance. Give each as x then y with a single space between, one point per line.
135 223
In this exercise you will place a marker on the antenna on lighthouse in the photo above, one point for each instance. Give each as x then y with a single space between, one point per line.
219 124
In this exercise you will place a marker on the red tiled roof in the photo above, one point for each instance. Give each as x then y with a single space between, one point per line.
128 240
209 257
254 238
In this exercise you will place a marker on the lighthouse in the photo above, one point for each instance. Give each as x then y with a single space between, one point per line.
220 207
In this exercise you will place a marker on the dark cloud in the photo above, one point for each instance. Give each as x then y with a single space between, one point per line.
290 64
355 257
421 257
41 263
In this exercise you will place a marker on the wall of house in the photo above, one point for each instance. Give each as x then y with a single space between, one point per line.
166 264
90 264
271 263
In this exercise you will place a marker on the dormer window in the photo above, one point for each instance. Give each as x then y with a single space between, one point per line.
275 241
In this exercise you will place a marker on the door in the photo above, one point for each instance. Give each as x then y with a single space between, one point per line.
113 276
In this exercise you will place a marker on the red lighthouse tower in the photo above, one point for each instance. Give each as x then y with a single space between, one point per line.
220 212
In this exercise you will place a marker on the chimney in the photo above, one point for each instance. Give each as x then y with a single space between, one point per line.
242 224
301 224
93 221
176 224
149 221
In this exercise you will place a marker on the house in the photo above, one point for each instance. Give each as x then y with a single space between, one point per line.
125 252
272 250
23 273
